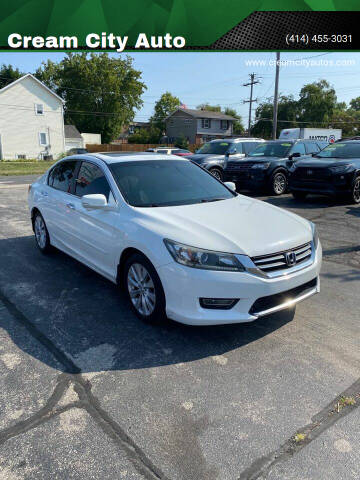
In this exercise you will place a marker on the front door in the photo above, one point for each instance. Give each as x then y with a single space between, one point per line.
94 228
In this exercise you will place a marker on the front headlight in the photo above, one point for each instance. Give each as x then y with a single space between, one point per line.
315 235
341 168
204 259
262 166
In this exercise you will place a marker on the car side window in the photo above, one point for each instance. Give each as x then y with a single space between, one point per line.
61 177
311 147
91 179
250 146
238 147
298 148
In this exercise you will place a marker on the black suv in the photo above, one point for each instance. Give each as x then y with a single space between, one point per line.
267 167
214 155
333 171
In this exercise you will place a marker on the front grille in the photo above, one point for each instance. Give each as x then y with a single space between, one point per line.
280 261
238 166
271 301
312 174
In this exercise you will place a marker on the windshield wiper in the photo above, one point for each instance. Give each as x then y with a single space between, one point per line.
207 200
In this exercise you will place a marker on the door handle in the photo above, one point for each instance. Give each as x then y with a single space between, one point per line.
71 206
44 194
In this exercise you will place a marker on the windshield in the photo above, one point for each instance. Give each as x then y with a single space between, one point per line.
271 149
160 183
340 150
217 148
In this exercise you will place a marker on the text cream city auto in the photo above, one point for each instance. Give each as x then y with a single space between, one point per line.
181 243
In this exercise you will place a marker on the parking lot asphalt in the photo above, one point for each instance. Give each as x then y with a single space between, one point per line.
87 391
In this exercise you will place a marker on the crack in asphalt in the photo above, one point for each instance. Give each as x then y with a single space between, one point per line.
322 421
87 401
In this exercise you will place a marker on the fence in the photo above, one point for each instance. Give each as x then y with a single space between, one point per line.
128 147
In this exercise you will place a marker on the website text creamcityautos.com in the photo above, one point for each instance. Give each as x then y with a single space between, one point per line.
105 41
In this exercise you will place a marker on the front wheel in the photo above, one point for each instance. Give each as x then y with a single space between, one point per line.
41 234
144 289
355 192
278 183
217 173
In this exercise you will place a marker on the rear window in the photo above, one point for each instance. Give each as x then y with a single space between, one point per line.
61 177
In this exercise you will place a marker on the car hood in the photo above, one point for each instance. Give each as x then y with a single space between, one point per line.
239 225
204 157
322 162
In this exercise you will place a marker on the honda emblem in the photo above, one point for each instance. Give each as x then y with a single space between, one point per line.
290 258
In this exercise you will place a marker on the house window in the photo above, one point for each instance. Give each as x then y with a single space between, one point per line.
21 156
224 124
205 123
43 138
39 109
187 121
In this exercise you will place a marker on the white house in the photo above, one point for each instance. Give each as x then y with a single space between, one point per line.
31 120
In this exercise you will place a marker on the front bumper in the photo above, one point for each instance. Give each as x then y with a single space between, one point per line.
330 185
248 179
184 286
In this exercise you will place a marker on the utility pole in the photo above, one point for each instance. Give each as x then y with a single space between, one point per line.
276 95
252 82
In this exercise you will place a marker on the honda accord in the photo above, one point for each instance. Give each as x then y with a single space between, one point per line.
182 244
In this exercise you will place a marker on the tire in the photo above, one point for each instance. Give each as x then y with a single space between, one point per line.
278 183
42 237
149 305
299 195
355 192
217 173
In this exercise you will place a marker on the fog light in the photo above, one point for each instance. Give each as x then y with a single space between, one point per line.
218 303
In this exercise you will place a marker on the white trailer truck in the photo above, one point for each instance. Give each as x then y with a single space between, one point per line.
329 135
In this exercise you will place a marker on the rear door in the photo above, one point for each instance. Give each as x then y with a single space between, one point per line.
55 199
93 229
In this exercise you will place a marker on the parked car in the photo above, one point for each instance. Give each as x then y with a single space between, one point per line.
333 171
174 237
215 154
267 167
77 151
181 152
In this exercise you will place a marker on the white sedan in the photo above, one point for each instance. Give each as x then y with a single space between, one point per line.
181 243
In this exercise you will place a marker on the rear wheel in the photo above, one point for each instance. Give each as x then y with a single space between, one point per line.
299 195
355 193
278 183
41 233
144 289
217 173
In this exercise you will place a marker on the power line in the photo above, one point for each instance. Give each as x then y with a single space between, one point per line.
253 81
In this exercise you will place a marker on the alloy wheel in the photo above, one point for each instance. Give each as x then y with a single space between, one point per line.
356 191
141 289
216 174
279 183
40 231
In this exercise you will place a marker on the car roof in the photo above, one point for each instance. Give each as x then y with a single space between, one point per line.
238 139
115 157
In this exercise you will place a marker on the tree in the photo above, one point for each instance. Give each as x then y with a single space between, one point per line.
101 92
355 104
238 127
182 142
166 104
209 108
151 135
317 103
288 111
9 74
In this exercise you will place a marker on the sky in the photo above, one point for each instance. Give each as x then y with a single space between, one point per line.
218 77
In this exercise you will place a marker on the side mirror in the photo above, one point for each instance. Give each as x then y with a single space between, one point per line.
294 155
231 185
95 200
